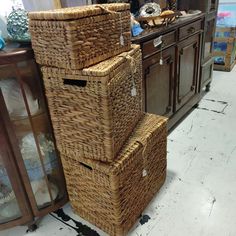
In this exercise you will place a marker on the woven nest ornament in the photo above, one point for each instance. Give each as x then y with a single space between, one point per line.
150 9
18 24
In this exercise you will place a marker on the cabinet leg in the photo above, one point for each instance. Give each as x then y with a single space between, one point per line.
196 105
32 227
208 87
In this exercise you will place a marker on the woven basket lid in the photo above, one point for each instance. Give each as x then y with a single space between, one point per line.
72 13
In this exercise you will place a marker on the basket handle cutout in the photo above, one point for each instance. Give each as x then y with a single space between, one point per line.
79 83
86 166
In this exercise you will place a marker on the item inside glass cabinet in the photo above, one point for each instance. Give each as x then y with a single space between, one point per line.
33 165
8 204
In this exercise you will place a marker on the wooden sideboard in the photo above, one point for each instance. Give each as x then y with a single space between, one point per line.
172 74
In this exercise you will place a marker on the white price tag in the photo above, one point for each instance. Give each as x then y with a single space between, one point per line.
157 41
133 92
145 173
161 62
122 40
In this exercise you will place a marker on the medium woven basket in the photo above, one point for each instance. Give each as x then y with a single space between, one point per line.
112 196
81 36
94 110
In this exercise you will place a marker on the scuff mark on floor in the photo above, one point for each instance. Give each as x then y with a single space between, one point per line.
213 100
190 164
220 106
218 112
212 205
223 111
144 219
191 128
234 149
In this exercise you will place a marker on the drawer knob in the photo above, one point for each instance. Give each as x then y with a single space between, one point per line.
191 30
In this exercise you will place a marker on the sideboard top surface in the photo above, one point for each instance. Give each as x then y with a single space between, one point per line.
156 31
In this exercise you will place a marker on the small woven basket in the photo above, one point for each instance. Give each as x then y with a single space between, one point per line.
81 36
112 196
94 110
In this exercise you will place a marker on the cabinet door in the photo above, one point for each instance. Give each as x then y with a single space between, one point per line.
14 209
159 83
206 72
208 38
29 130
187 70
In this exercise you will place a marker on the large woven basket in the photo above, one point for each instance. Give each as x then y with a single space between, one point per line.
81 36
94 110
112 196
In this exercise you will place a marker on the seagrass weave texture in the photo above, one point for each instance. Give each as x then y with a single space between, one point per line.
79 37
112 196
94 110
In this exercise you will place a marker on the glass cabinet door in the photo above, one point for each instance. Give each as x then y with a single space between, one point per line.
24 99
208 42
9 208
213 4
13 203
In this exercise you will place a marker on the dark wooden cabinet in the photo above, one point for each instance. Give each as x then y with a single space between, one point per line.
159 82
172 88
209 7
206 74
207 61
208 38
187 69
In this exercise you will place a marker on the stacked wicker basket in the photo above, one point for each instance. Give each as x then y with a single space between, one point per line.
114 155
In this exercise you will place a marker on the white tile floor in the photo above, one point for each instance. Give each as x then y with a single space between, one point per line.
198 198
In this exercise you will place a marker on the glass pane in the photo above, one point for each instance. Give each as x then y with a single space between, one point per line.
209 38
213 5
32 128
9 209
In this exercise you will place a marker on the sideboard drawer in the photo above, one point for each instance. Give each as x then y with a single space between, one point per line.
190 29
161 42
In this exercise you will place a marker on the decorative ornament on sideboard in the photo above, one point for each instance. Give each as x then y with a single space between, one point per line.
17 25
2 42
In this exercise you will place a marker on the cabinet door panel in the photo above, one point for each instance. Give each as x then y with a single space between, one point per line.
188 66
14 209
159 83
206 72
208 38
